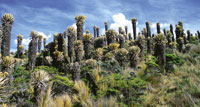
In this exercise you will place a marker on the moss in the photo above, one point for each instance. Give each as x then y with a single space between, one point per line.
61 84
112 66
174 59
50 70
22 78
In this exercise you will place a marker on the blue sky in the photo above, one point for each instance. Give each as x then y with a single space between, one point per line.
53 16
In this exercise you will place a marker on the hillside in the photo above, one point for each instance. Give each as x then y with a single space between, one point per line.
117 69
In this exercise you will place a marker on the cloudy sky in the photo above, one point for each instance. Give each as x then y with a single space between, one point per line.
53 16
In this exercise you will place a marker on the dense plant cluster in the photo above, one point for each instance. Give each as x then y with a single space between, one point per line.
78 69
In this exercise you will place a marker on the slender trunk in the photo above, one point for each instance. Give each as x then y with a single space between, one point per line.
129 36
87 41
140 44
19 43
106 26
158 28
126 30
44 42
149 45
171 30
97 31
94 28
39 44
78 47
178 32
32 50
148 29
165 32
198 35
1 35
188 36
111 36
134 20
80 23
160 49
121 40
71 37
5 47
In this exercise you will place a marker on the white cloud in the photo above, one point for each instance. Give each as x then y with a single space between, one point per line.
162 26
13 50
45 36
25 41
74 25
121 21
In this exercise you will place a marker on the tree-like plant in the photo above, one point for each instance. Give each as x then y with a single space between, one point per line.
180 42
113 47
165 32
178 32
180 23
188 36
44 42
87 31
172 32
148 29
39 43
6 64
148 45
106 26
87 41
169 37
20 51
98 54
133 53
111 36
121 40
129 36
95 33
97 28
78 47
32 50
19 42
99 42
80 23
158 27
1 34
134 20
159 49
144 32
121 57
76 71
7 22
185 38
71 38
198 34
120 30
140 43
126 30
